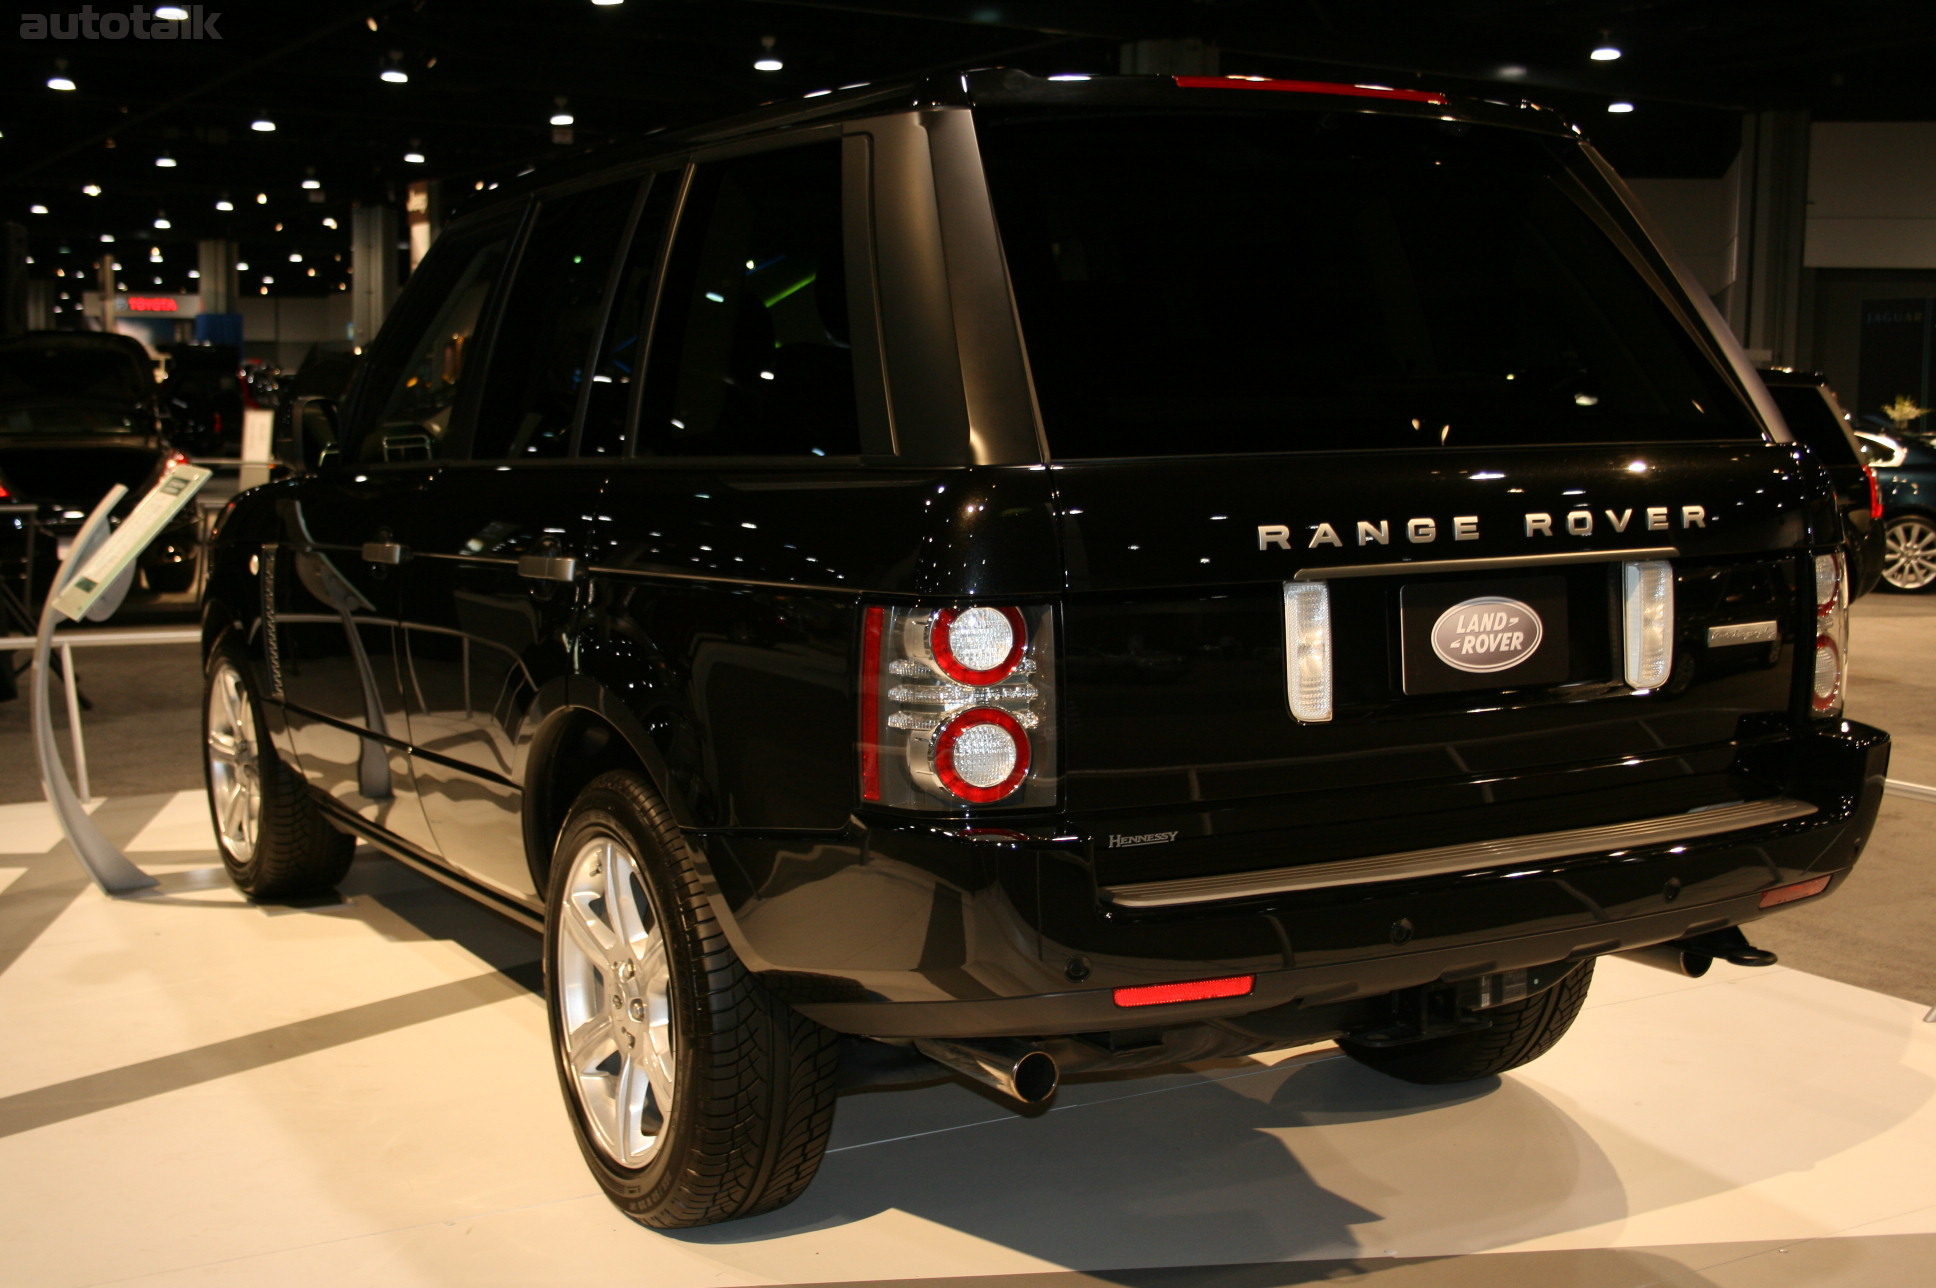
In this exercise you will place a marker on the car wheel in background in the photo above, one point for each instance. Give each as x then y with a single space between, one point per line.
274 840
696 1094
1909 558
1520 1033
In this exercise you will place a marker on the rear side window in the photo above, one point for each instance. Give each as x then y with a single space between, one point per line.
752 355
1295 281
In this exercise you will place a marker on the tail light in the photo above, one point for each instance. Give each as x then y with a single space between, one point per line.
1647 619
1875 491
1831 635
1307 650
957 707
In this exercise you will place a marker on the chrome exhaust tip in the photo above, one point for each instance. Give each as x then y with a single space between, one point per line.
1011 1066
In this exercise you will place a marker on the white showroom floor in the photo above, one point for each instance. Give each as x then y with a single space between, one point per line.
199 1091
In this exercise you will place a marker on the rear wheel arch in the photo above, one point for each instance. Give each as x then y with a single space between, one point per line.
576 745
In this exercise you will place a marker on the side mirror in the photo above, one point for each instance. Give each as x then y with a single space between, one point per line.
306 432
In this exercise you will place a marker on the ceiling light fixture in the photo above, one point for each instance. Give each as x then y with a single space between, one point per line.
60 79
414 158
261 198
161 221
561 121
768 60
171 13
1621 106
36 210
165 161
391 70
1604 54
223 203
263 125
92 190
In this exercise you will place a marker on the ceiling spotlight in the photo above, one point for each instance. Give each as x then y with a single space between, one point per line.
768 61
165 161
329 222
392 69
161 221
171 13
107 237
92 190
263 125
1604 54
1621 106
312 183
414 158
242 266
59 80
36 210
295 257
194 272
608 4
563 118
223 203
261 198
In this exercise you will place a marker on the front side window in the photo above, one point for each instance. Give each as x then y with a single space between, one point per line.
551 315
420 376
1309 281
752 355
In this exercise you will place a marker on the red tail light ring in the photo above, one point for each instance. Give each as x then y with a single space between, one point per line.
955 761
945 635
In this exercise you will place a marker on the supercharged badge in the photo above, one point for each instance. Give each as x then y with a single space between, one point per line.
1486 634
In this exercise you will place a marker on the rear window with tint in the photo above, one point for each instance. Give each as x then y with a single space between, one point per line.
1306 281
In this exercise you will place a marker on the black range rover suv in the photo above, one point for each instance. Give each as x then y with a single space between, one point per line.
1040 576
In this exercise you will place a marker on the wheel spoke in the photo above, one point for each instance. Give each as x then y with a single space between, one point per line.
649 954
590 935
234 812
591 1043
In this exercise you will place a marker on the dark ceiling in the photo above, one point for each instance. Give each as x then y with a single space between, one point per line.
485 76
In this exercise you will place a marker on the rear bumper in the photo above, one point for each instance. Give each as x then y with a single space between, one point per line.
902 929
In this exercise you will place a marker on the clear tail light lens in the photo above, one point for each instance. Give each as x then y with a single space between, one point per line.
1831 635
1647 617
1307 650
957 707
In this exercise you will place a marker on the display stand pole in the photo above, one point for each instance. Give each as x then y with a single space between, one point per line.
91 583
110 868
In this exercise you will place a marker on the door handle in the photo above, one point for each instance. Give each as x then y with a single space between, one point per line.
548 567
384 552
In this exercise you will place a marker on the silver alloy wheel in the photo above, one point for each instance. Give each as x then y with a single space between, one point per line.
234 763
614 997
1909 562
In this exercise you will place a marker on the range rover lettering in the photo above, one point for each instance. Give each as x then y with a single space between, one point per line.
1033 577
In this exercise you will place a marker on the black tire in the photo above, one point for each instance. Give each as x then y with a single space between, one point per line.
273 837
1521 1032
1909 554
641 983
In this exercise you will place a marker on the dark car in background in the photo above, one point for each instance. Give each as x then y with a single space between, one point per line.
78 414
1013 576
1816 418
201 399
1904 462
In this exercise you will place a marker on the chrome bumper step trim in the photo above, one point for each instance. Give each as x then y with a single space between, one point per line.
1470 857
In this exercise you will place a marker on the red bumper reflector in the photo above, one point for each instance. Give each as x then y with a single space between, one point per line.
1195 990
1800 890
1309 87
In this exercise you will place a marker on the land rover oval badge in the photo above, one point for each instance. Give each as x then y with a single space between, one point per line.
1488 633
